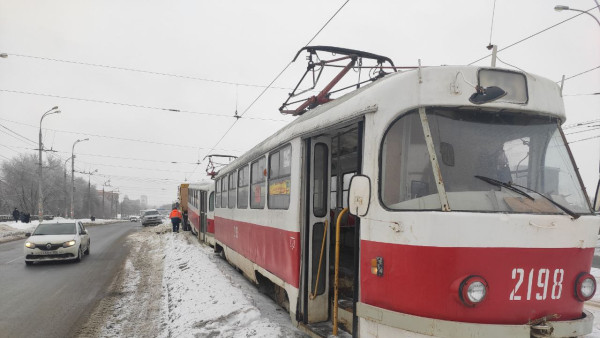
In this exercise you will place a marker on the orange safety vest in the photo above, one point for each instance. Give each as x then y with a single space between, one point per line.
175 213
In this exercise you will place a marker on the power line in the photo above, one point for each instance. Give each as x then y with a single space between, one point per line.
143 71
532 35
106 136
576 75
275 79
584 139
109 156
131 105
14 132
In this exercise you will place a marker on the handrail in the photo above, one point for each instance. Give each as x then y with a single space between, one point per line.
337 267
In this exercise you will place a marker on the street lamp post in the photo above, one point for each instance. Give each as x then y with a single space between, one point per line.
559 8
73 177
106 184
54 110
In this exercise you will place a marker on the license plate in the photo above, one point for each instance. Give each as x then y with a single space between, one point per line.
48 252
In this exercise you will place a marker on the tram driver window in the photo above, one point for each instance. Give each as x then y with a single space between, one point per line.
407 178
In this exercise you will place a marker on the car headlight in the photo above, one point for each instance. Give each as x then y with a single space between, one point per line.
29 245
69 243
472 290
585 286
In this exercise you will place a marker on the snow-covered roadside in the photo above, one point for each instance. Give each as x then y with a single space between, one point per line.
10 231
173 286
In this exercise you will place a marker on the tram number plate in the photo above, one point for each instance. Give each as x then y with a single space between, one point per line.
539 284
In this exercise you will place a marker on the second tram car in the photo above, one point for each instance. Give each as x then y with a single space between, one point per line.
200 209
467 214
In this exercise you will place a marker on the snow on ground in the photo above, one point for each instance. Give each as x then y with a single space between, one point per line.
173 286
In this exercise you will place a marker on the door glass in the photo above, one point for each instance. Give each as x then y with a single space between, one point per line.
317 240
320 180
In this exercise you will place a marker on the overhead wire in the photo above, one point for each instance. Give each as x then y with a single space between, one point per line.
132 105
532 35
14 132
142 71
110 137
271 83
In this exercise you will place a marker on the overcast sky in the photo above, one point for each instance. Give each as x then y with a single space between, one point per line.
225 52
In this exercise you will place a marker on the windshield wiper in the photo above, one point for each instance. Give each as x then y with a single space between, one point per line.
505 185
558 205
512 187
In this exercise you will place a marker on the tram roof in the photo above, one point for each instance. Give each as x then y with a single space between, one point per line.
400 92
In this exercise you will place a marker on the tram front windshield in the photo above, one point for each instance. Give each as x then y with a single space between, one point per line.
475 148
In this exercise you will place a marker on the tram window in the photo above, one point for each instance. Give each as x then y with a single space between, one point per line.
347 177
243 180
405 163
218 193
257 181
333 192
320 181
232 189
224 192
211 201
280 168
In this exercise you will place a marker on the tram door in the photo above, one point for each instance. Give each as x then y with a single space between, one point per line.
318 231
202 215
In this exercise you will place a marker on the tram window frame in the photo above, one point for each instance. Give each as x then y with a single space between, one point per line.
258 177
232 191
211 201
280 174
218 193
243 183
224 191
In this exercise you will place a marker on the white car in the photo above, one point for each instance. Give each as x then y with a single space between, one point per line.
151 216
57 241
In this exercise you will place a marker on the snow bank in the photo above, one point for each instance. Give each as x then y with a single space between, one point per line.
200 301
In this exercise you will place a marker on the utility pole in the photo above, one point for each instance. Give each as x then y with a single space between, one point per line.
40 147
73 177
89 173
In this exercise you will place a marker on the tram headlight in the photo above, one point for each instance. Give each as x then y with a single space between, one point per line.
585 287
472 290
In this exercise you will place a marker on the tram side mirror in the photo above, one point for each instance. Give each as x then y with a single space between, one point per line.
487 94
359 195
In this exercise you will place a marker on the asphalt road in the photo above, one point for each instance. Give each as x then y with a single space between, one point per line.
53 299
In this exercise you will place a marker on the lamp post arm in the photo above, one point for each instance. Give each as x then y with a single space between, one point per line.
578 10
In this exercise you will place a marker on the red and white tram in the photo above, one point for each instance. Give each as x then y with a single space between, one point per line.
468 215
199 201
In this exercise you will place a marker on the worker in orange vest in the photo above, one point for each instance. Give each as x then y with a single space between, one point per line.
175 219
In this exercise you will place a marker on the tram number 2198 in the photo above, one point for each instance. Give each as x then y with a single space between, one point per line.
547 282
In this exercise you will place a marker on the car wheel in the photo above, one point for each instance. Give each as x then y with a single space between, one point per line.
28 263
78 259
87 251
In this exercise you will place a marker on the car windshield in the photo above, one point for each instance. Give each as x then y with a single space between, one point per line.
151 212
55 229
474 148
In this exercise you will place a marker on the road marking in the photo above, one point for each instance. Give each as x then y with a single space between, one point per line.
13 260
